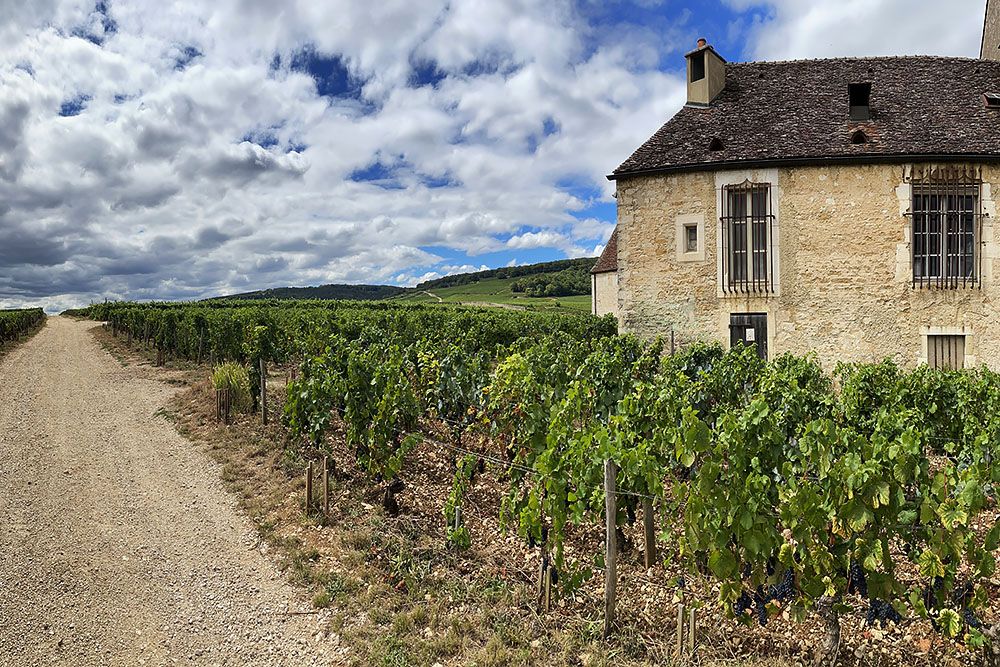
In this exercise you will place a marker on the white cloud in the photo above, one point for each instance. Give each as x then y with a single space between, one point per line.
198 161
792 29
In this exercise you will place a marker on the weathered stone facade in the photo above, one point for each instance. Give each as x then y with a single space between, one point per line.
841 245
604 293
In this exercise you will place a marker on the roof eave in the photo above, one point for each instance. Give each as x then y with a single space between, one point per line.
808 162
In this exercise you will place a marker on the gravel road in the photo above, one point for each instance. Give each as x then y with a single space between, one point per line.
118 544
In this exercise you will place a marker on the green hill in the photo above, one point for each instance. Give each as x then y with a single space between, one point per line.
345 292
563 284
496 292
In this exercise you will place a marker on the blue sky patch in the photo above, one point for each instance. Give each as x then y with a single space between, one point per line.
187 54
426 73
74 106
379 174
329 71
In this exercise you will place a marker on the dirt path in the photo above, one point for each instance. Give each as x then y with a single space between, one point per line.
118 544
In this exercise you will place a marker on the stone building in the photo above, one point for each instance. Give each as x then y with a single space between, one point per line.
604 280
843 206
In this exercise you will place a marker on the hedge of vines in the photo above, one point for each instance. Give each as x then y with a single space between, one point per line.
785 485
17 323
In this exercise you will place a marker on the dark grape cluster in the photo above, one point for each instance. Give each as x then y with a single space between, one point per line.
856 582
761 598
786 589
932 593
970 619
743 603
881 611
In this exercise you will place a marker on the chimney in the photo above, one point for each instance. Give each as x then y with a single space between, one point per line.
989 49
706 74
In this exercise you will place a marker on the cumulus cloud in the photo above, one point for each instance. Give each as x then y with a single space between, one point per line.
787 29
168 150
152 150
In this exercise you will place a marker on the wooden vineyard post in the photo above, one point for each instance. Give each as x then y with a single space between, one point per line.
326 486
548 587
159 356
227 404
649 532
610 545
680 629
543 568
691 628
309 486
263 394
218 405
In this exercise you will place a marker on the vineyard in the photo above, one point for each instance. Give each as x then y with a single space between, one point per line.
17 323
766 489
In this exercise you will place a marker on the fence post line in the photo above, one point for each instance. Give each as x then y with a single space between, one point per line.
649 532
610 545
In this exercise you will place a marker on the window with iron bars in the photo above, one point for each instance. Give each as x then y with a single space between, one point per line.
946 230
747 226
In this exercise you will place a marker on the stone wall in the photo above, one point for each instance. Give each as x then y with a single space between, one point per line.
604 293
842 266
990 48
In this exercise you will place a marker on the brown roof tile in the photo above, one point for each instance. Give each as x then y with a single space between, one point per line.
608 261
797 111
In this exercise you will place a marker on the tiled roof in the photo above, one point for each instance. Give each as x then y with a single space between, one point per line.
797 112
608 261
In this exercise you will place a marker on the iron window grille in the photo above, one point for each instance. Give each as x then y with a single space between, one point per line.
747 223
946 215
946 352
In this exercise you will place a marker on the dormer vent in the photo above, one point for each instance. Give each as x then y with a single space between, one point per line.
698 66
859 99
992 100
859 137
715 144
706 74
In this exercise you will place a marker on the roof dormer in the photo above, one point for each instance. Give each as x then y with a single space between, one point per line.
706 74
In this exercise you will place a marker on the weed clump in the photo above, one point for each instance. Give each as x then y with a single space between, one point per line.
233 377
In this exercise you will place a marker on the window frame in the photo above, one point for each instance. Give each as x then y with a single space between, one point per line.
747 233
690 228
946 230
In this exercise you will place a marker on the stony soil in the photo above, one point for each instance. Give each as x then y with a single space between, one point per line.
118 543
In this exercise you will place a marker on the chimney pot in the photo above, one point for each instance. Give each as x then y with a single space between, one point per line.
702 43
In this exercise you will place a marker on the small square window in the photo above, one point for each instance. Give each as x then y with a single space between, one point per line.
690 238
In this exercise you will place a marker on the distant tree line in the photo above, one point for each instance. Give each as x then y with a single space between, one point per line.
346 292
584 265
568 282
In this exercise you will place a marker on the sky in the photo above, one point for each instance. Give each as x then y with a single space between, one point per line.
179 150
